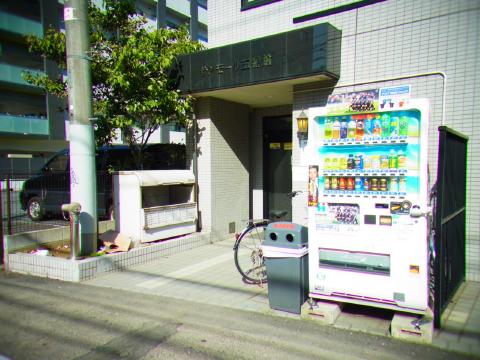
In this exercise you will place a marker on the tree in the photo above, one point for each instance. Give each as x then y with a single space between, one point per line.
131 66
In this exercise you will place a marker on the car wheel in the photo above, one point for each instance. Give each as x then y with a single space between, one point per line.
35 209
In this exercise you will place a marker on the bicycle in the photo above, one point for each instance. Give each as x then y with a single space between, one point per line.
247 249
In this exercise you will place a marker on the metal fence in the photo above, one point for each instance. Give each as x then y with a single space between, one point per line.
449 264
52 190
15 218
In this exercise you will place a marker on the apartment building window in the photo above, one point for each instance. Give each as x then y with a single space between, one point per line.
250 4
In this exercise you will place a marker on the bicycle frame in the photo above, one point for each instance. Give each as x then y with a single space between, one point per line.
250 224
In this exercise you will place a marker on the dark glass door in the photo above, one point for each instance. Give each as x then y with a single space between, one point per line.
277 166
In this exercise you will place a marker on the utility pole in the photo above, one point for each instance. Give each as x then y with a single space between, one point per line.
83 179
194 20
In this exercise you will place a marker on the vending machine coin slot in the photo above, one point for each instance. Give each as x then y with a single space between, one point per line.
400 208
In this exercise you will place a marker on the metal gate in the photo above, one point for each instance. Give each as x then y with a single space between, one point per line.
449 263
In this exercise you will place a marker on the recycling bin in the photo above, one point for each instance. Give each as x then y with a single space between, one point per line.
285 250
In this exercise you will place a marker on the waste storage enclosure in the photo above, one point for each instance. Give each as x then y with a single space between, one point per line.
154 204
285 250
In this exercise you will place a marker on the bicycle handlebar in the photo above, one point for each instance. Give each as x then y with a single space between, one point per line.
294 193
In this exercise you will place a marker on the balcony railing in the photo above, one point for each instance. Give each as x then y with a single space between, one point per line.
13 74
19 25
31 125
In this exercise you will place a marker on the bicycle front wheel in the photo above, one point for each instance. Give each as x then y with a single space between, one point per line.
248 254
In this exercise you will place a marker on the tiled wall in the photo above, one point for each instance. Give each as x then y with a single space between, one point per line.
85 269
438 40
223 165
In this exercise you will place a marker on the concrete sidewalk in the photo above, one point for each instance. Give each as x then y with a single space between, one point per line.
208 275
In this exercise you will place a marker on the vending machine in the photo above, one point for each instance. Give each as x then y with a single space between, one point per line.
367 228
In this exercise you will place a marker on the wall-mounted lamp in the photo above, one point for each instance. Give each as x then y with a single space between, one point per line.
302 126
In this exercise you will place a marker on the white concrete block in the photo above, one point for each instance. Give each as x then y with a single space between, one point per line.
324 311
403 327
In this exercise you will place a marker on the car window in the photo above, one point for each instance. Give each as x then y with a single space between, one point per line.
58 163
164 157
118 160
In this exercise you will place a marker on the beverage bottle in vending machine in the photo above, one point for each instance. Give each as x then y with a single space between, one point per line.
358 162
360 129
402 185
377 127
328 128
350 183
374 184
334 163
393 185
333 183
402 160
413 127
375 162
383 184
343 128
368 127
326 183
352 128
392 160
385 120
342 183
350 162
384 162
336 129
358 183
342 163
327 163
403 126
366 184
367 162
394 126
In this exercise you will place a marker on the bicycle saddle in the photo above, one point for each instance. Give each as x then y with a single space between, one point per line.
278 214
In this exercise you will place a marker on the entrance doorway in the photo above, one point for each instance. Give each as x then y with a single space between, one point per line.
277 166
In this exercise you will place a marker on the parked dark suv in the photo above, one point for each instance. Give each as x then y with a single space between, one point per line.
44 193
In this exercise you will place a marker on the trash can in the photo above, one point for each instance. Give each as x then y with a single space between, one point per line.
285 250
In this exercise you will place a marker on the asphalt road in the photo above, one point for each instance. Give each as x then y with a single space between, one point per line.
48 319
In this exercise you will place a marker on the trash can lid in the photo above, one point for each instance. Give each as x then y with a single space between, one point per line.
283 252
286 235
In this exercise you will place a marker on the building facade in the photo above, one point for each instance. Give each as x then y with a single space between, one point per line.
33 125
431 45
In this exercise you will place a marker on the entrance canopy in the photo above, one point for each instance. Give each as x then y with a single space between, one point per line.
262 72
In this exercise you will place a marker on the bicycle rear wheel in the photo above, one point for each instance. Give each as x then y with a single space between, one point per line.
248 254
